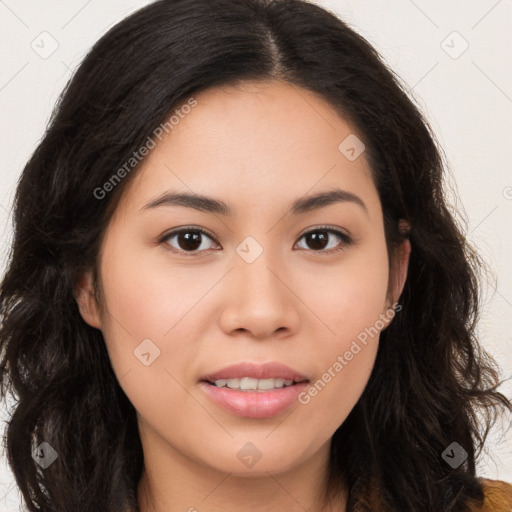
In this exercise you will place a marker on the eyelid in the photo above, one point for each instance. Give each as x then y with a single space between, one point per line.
335 229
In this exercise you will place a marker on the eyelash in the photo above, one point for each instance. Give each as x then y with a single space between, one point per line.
346 239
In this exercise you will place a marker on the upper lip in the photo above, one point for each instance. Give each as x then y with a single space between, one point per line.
271 370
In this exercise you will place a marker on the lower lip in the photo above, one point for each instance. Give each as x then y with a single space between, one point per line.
254 404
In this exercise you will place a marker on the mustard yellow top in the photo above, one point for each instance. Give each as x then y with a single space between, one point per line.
498 496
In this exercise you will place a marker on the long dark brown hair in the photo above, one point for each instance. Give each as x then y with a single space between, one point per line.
432 383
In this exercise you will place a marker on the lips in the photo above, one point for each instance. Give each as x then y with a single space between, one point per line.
255 391
271 370
254 404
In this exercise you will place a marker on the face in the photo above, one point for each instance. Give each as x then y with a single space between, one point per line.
272 277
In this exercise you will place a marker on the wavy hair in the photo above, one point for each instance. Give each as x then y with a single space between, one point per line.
432 382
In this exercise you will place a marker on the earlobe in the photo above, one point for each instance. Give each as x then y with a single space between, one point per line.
86 300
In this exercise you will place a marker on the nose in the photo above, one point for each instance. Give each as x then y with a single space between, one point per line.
259 300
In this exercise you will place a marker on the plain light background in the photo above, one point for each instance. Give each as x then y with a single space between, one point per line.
454 56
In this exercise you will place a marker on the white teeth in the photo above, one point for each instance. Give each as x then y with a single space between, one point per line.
278 383
250 384
268 384
232 383
247 383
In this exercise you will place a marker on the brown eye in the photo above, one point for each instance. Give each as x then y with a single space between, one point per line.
321 240
188 240
317 240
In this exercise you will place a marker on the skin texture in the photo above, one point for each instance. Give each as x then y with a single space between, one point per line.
258 148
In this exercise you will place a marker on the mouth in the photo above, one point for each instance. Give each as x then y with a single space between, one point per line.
254 391
247 376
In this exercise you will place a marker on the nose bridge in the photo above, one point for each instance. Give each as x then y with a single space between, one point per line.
258 300
255 269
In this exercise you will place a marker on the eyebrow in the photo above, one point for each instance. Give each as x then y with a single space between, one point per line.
210 205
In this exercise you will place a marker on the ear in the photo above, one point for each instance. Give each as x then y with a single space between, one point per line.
400 265
86 299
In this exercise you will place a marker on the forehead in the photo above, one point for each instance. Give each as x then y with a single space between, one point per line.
260 141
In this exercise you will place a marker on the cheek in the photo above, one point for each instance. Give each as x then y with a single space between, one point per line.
147 296
350 296
145 331
147 324
344 363
332 396
350 302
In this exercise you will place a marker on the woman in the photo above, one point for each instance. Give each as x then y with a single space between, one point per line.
235 283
